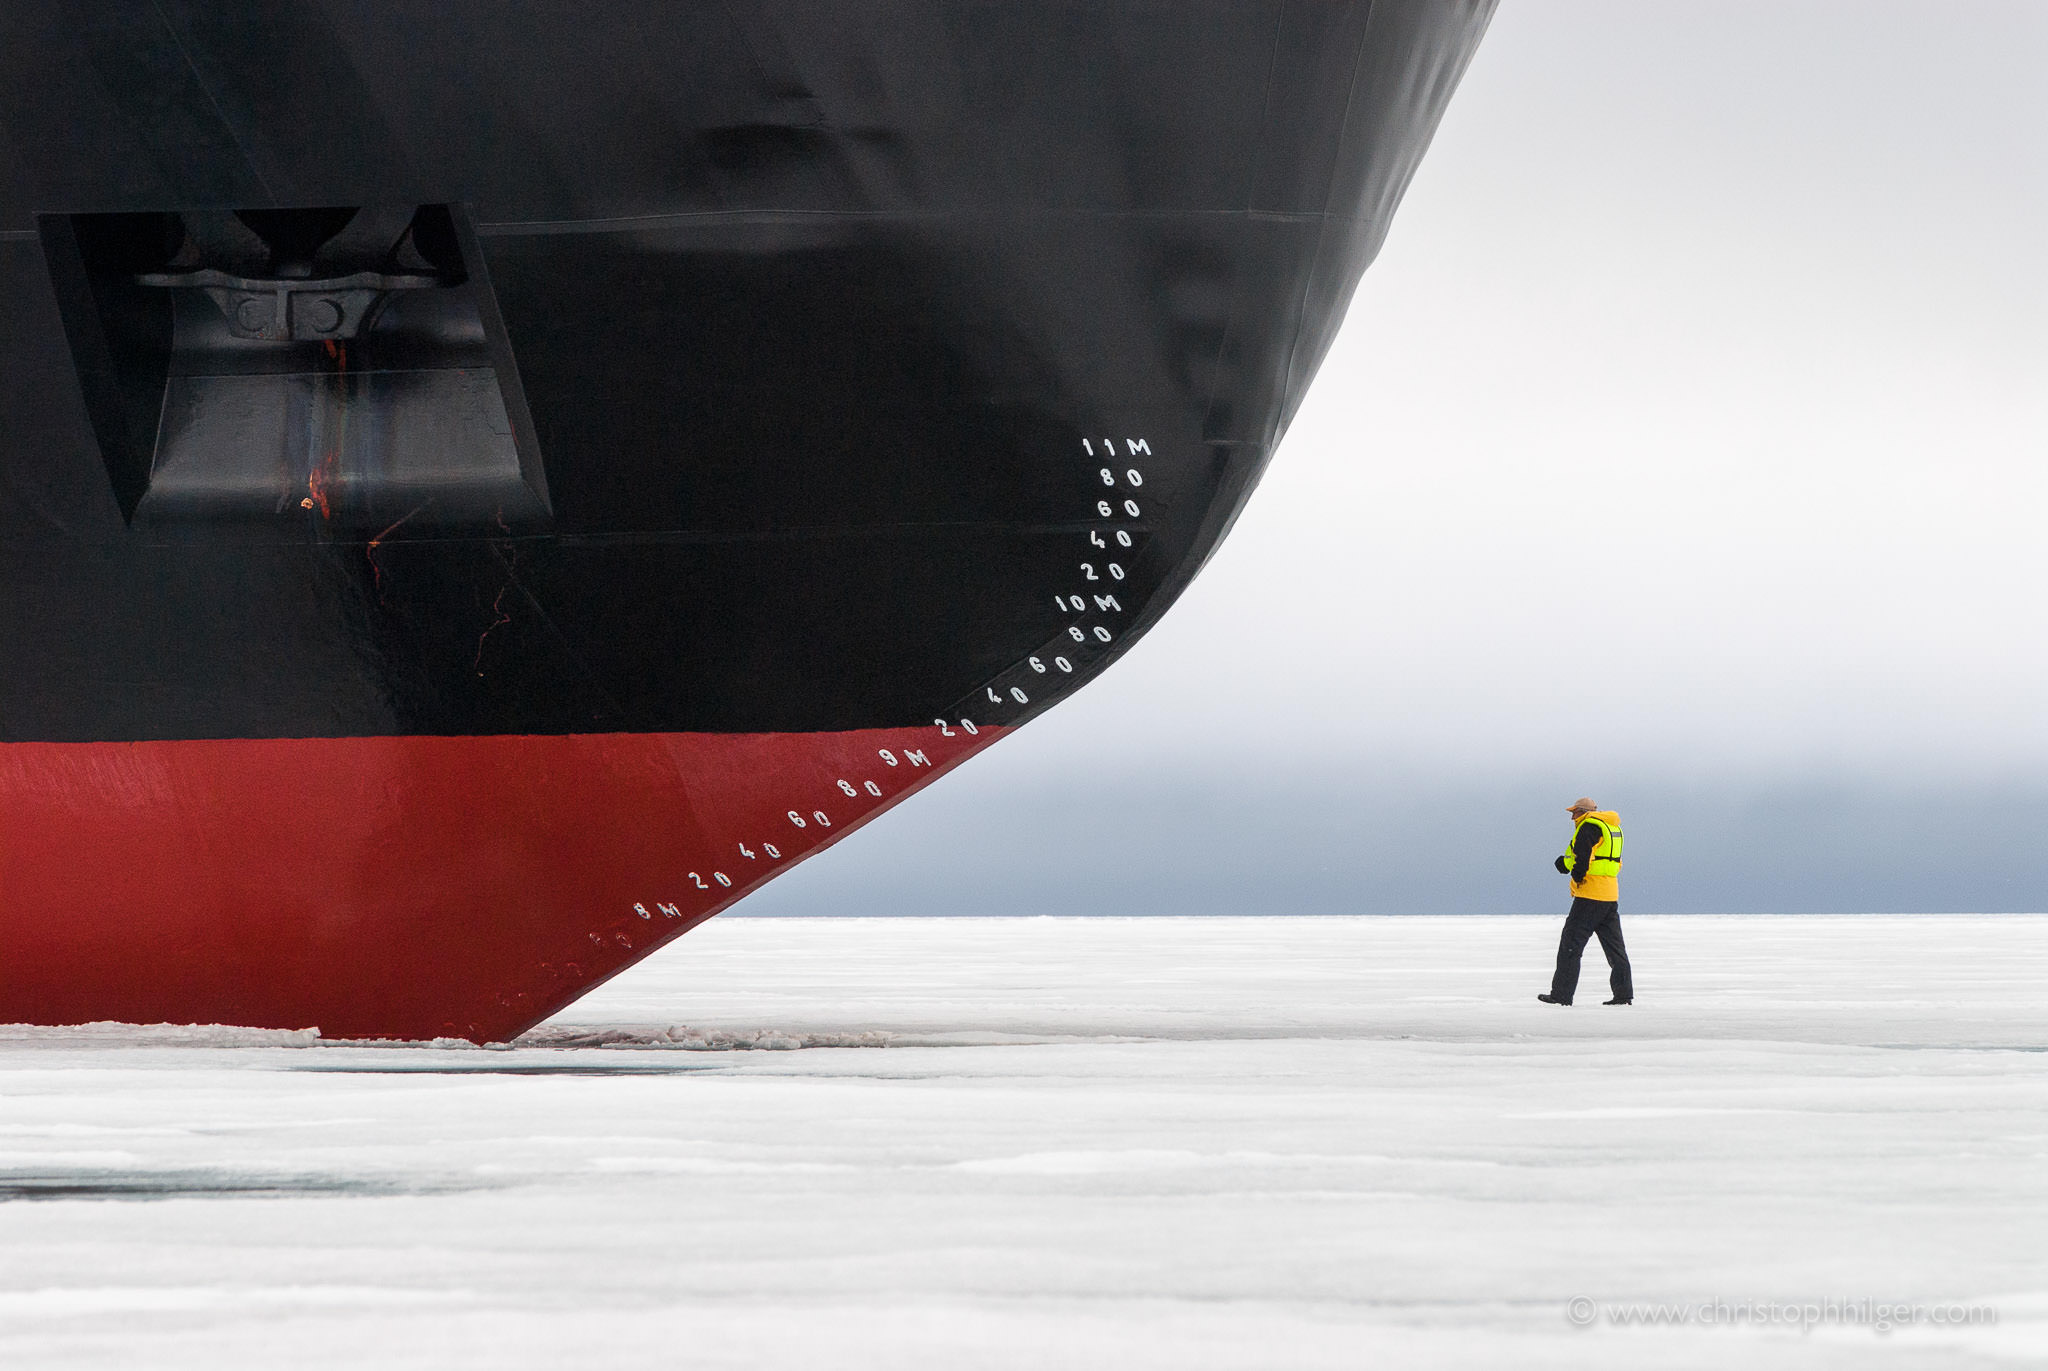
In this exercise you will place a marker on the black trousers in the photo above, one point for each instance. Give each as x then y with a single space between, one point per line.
1588 918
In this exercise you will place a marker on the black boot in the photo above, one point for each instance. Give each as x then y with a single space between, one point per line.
1617 1002
1552 999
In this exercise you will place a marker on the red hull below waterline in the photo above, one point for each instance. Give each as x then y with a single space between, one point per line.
402 887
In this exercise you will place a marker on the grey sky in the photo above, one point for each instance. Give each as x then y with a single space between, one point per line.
1684 447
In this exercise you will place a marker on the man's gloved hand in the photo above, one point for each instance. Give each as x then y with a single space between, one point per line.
1563 867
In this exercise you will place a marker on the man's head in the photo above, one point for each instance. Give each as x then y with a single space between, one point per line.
1581 807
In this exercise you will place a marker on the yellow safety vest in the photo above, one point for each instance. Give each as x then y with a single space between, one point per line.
1603 872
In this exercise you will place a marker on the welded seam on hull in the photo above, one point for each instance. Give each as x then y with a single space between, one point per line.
785 534
1251 190
213 101
1315 263
1251 195
541 228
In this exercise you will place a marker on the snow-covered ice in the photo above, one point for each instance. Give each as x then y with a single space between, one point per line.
1072 1143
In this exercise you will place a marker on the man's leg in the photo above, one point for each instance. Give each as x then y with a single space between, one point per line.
1571 945
1619 975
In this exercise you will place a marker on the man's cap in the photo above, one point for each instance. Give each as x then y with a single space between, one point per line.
1582 804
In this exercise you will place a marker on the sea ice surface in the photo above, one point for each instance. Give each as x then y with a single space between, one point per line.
1130 1143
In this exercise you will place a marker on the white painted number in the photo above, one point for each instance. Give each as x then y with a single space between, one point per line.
772 850
1131 508
1102 633
847 786
1088 570
747 852
721 878
1102 508
819 815
886 755
1116 571
969 726
1019 696
872 789
1134 478
641 910
1108 477
1063 664
1079 636
796 818
1123 537
943 730
1036 665
699 880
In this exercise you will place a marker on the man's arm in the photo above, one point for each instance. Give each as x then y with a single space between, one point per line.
1583 843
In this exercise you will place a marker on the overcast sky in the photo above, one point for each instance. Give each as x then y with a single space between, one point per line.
1684 447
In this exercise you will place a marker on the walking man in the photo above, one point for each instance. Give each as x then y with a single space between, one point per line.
1594 864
